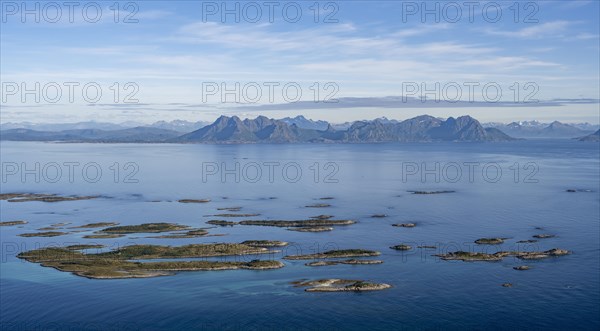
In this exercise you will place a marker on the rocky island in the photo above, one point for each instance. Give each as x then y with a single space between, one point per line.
405 225
236 215
48 228
103 236
498 256
144 228
222 223
544 236
193 200
521 267
489 241
401 247
83 246
430 192
230 208
25 197
264 243
118 264
334 254
311 229
340 285
43 234
542 255
349 261
188 234
322 217
12 223
95 225
297 223
318 205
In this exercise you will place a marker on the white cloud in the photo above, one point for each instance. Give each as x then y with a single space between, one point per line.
549 29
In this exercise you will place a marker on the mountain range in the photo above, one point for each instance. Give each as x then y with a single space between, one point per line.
592 137
535 129
265 130
131 135
175 125
304 123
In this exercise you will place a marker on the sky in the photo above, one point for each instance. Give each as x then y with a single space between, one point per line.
146 61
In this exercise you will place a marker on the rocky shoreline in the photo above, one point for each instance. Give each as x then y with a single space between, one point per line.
498 256
334 254
118 263
13 223
341 285
350 261
297 223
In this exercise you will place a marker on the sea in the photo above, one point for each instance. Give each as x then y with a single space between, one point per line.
512 190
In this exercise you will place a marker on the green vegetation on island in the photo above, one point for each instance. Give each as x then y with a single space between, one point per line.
318 205
83 246
322 217
60 224
521 267
489 241
379 215
430 192
297 223
25 197
401 247
12 223
43 234
340 285
144 228
405 225
334 254
264 243
213 265
350 261
544 236
194 200
95 225
311 229
118 264
498 256
188 234
103 236
542 255
222 222
236 215
230 208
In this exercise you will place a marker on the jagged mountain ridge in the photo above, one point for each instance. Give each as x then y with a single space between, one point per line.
304 123
534 129
418 129
592 137
226 129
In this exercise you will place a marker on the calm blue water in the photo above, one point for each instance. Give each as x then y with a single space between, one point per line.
558 294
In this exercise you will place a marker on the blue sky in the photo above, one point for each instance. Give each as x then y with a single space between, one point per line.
365 50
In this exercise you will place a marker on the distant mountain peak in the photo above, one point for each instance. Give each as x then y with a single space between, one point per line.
421 128
262 129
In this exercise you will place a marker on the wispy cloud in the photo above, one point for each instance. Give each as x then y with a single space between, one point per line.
543 30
